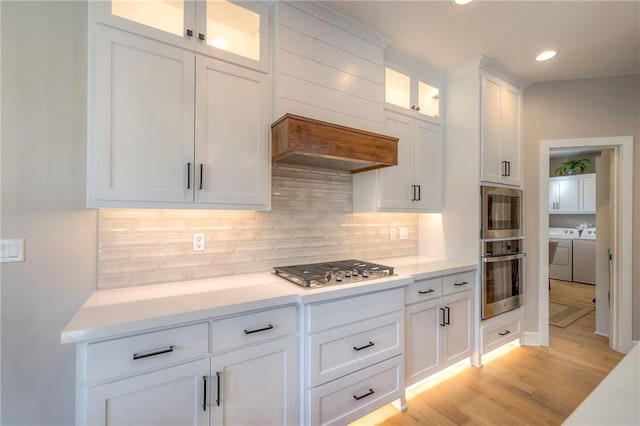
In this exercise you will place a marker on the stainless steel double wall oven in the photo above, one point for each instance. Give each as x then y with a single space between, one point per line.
502 250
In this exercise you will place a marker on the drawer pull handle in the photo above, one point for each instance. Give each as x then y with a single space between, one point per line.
364 347
204 391
448 320
358 398
442 323
427 291
258 330
462 283
504 333
141 355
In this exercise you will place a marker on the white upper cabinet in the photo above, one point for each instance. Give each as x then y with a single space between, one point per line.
572 194
500 131
171 128
408 91
237 32
415 184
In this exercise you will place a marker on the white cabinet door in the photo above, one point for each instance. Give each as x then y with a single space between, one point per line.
587 193
510 133
396 183
422 337
563 194
491 109
501 131
141 123
256 385
171 396
232 142
456 341
428 158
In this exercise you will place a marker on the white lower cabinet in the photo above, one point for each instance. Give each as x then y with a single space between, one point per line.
438 329
169 377
171 396
353 356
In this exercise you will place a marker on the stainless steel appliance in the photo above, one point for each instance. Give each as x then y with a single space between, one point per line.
332 273
502 285
501 212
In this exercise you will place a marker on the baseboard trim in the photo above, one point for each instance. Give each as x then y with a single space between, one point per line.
531 338
601 334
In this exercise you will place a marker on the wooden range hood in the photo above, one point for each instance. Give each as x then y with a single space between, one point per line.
302 140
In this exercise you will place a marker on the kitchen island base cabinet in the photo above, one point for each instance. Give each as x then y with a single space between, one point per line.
172 396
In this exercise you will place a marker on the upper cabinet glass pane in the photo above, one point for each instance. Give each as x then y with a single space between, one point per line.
397 89
429 100
233 28
165 15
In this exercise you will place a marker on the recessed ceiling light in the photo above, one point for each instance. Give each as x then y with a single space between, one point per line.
459 2
546 55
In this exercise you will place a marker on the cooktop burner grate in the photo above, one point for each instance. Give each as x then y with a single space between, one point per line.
331 273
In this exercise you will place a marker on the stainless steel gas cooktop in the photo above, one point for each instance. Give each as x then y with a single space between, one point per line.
332 273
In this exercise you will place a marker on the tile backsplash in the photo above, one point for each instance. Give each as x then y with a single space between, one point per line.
311 220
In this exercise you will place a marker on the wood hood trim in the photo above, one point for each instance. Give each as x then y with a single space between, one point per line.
302 140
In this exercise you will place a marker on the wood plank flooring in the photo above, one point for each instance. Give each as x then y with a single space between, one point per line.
527 386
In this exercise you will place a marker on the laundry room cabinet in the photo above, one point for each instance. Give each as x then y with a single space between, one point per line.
572 194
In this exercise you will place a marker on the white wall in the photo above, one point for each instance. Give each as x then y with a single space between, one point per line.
43 175
578 109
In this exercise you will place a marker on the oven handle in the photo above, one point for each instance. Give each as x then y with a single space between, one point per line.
492 259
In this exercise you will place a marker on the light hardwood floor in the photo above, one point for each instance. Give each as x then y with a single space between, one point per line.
527 386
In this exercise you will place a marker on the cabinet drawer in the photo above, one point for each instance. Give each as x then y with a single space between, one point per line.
458 282
340 351
323 316
499 334
133 354
353 396
423 290
251 328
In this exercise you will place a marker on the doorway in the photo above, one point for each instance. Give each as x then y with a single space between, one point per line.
621 241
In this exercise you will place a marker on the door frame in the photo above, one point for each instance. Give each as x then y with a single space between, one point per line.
622 241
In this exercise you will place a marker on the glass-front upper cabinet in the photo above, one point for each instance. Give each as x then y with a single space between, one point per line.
407 90
236 31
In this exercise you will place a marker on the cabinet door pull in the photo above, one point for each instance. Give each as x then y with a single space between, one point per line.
508 168
442 324
201 36
426 291
504 168
414 192
448 320
189 175
419 189
201 175
460 283
189 33
417 108
358 398
504 333
258 330
154 352
204 391
364 347
218 388
413 107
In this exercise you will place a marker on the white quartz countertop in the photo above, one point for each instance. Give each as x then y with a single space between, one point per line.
116 312
616 400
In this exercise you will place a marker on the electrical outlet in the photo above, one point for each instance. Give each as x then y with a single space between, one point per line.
404 233
198 242
392 233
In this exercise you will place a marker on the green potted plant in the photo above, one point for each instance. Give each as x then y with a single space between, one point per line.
569 167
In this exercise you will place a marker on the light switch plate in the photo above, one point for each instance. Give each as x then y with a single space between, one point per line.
12 250
392 233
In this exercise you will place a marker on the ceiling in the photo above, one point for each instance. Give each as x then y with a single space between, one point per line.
594 38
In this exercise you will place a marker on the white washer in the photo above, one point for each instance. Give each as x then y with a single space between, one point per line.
561 266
